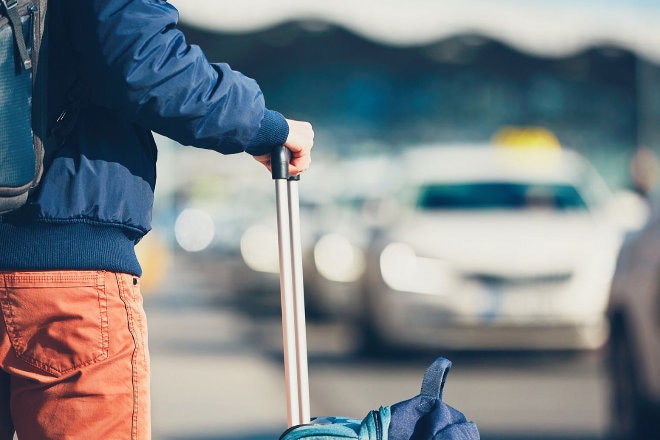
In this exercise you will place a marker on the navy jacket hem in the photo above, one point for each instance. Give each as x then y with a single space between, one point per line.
71 246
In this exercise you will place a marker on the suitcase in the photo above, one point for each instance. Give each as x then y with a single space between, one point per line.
422 417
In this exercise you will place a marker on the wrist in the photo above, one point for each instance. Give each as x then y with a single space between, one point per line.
273 131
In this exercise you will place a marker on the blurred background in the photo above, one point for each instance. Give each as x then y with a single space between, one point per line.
482 189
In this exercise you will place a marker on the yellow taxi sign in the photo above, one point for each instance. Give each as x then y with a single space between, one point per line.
528 137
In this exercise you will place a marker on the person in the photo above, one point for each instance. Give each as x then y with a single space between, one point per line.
73 339
643 168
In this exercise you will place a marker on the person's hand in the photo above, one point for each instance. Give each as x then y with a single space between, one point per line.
300 142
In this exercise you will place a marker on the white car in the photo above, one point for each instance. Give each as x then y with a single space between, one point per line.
495 248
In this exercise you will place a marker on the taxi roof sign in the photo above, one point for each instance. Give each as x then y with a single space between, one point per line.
527 137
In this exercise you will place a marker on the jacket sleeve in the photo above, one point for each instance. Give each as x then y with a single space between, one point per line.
134 60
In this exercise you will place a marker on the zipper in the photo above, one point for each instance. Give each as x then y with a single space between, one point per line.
287 431
318 431
377 423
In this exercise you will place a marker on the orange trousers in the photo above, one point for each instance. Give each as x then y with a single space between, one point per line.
74 362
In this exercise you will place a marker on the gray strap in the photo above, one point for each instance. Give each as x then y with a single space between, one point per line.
11 7
435 377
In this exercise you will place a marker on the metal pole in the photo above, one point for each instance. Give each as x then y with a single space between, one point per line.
299 302
288 304
291 288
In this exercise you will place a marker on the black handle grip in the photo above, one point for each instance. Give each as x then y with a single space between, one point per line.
279 163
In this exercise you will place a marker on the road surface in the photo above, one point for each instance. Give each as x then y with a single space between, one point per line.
217 374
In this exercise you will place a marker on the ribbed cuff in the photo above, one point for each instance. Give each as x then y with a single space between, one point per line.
272 132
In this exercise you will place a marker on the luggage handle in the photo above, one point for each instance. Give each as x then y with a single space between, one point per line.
291 288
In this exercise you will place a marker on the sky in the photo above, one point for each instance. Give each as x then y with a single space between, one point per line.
549 28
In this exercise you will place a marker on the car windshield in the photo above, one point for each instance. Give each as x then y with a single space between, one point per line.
499 195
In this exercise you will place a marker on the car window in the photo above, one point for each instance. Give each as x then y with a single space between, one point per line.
499 195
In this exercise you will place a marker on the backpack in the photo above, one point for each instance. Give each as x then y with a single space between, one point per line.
22 99
424 417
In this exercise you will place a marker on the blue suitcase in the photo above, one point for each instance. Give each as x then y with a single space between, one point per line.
423 417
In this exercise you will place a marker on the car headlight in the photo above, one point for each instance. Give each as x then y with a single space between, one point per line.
194 230
259 249
590 288
337 259
403 270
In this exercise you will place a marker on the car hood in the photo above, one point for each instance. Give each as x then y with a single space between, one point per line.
509 244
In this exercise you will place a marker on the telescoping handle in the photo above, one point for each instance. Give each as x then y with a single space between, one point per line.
291 289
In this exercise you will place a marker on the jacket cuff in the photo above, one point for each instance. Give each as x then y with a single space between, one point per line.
273 132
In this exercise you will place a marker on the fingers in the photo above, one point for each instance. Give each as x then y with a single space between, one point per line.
299 164
300 142
264 159
296 166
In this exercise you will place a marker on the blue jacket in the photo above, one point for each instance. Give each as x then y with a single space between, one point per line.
131 72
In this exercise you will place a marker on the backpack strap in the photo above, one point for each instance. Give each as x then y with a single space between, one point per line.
11 8
39 84
434 378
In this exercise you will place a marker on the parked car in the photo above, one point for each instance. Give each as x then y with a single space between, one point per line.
495 248
344 227
633 360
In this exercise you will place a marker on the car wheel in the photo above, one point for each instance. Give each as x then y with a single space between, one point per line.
372 343
632 417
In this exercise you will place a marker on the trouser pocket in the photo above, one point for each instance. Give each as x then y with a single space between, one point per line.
56 321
